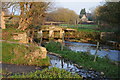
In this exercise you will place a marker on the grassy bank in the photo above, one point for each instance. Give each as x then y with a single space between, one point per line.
85 60
91 27
81 25
48 73
16 54
7 33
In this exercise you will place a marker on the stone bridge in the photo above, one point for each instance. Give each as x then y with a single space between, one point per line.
57 33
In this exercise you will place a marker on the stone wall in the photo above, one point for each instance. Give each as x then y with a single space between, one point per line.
107 36
110 38
2 20
21 37
43 52
37 54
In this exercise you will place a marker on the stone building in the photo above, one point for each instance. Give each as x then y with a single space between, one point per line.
84 18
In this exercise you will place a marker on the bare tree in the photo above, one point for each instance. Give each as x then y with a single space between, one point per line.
63 15
31 12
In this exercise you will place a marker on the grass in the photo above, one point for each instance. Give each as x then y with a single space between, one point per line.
15 54
86 60
55 73
90 28
84 35
8 32
83 27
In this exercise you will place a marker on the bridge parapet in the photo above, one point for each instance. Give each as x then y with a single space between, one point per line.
56 33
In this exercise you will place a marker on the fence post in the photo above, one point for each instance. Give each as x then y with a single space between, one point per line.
96 51
41 37
62 44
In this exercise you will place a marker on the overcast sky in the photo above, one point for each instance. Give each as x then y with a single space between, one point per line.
77 5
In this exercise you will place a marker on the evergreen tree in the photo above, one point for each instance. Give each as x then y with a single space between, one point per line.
82 12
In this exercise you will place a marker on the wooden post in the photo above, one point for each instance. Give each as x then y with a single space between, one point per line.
51 23
41 37
62 44
98 22
96 51
50 35
62 63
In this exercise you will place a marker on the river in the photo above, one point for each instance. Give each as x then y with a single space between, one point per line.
55 62
67 65
104 51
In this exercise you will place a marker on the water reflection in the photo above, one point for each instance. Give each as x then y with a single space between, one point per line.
68 66
91 48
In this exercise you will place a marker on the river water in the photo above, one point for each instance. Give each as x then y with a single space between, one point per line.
69 66
104 51
55 62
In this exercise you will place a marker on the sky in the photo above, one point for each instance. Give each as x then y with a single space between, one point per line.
77 5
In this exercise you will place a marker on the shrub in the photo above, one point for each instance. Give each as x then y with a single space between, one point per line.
48 73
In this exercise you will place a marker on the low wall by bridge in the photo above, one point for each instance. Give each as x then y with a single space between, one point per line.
56 33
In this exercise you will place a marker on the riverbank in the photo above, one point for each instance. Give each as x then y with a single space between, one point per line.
22 54
53 73
18 66
86 60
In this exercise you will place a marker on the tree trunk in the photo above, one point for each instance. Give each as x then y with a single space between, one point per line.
21 14
25 18
24 23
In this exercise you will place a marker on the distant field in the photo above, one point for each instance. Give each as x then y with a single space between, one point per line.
83 27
